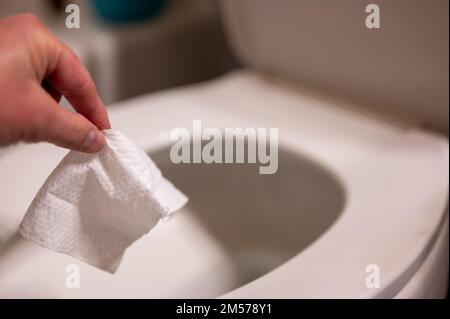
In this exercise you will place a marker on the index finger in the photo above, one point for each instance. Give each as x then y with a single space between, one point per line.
70 78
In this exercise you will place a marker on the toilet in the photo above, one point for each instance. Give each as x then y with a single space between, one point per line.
358 207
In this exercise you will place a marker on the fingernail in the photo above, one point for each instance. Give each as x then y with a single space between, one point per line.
89 140
93 141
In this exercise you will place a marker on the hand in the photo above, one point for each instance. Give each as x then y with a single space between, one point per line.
36 69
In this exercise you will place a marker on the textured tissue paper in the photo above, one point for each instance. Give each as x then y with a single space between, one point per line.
93 206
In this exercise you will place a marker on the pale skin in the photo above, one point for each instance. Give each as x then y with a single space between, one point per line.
36 69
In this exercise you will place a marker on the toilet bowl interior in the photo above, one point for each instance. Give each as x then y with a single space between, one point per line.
259 221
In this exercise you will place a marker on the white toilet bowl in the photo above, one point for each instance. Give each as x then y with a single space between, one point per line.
350 191
358 192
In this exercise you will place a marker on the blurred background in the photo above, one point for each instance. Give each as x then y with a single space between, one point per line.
135 47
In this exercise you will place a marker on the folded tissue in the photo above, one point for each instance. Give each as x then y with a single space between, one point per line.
93 206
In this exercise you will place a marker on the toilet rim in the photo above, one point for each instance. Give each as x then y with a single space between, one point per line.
382 226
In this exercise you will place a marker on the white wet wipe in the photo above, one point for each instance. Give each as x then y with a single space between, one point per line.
93 206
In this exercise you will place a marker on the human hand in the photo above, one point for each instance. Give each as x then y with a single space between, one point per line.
36 69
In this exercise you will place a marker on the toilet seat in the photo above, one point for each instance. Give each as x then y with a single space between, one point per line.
395 178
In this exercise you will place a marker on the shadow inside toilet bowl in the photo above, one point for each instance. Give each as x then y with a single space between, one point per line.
260 221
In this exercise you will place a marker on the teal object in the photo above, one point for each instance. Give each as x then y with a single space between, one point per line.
127 11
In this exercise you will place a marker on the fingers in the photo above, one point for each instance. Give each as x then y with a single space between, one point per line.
71 79
74 132
55 94
51 123
34 55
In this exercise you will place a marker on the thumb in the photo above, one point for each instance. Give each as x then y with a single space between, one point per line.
62 127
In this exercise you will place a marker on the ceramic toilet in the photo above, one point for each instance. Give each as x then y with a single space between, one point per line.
362 183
